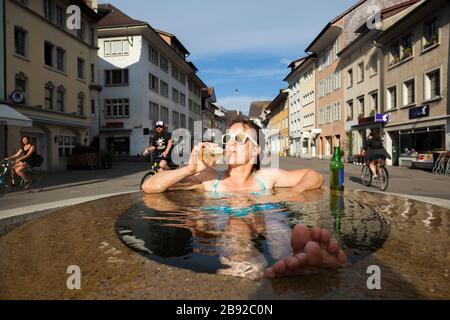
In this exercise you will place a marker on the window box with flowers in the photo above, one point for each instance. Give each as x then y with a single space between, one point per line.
372 112
430 42
406 53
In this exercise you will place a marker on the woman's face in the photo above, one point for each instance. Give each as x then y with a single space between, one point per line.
25 140
239 154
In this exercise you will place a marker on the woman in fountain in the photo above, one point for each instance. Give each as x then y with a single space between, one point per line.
312 249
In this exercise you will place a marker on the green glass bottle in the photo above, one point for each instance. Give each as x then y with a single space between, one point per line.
337 207
337 171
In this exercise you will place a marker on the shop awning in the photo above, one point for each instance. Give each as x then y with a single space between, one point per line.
13 118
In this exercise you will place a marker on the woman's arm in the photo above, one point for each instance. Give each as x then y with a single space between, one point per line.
298 180
18 153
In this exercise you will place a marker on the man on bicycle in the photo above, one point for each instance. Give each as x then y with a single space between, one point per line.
161 144
375 152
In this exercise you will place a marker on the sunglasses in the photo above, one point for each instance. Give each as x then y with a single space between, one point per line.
240 138
161 127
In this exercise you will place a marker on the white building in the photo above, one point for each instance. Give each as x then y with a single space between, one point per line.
145 77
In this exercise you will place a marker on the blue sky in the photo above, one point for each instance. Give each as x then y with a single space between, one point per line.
239 44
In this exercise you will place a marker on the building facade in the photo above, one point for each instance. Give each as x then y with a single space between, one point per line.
277 129
53 72
415 81
146 78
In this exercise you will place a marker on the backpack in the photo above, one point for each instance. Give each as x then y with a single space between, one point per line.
38 159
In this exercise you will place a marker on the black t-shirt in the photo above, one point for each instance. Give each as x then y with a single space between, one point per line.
374 144
161 141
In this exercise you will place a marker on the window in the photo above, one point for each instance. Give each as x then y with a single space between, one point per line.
80 68
401 50
80 104
350 78
360 72
153 55
81 31
66 145
165 114
350 110
409 95
337 80
48 10
337 111
321 61
20 41
433 84
431 33
361 107
327 114
21 83
92 37
392 98
49 95
373 65
328 57
60 17
321 89
183 99
153 83
154 111
92 73
191 105
175 119
116 47
116 77
328 85
373 103
117 108
164 64
175 95
175 72
182 78
337 48
60 59
48 54
182 121
191 125
164 89
60 95
93 109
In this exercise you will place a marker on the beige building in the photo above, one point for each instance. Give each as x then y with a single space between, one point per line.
415 80
52 72
277 124
361 65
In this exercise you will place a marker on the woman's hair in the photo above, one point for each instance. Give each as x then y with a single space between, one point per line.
248 124
21 140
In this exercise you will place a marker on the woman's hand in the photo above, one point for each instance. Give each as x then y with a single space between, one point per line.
196 163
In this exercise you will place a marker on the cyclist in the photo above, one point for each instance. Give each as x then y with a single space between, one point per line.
26 158
162 143
375 151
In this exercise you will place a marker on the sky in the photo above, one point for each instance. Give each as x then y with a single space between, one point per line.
242 48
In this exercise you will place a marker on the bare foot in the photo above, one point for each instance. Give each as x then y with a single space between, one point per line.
313 251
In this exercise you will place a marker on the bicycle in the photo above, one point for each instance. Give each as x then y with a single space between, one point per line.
382 177
36 175
154 169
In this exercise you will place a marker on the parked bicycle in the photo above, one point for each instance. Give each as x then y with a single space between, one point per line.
8 180
382 179
442 165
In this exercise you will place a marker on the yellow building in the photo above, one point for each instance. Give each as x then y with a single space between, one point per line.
52 72
277 138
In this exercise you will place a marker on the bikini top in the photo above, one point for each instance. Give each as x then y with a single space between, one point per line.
214 190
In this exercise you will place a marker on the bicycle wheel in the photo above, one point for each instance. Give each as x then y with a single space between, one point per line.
366 176
5 184
383 178
38 180
148 175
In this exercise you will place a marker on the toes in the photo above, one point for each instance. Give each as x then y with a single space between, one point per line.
300 237
293 263
324 238
333 248
342 257
313 254
279 268
315 234
269 273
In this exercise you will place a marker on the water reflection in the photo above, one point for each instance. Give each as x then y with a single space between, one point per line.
242 234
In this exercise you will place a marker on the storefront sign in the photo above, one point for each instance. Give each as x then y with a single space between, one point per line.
381 117
366 120
115 125
419 112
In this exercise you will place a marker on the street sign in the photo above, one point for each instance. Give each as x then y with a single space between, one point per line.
18 96
419 112
382 117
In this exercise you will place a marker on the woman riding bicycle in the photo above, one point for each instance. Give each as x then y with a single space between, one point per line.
375 151
25 158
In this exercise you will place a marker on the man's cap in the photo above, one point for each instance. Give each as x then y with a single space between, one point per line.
159 124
